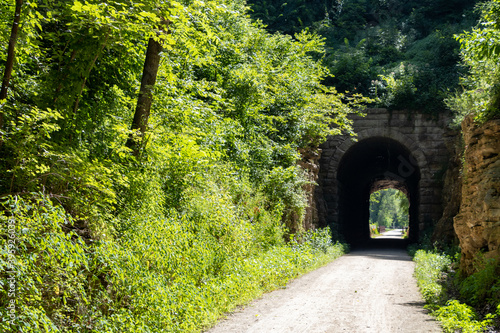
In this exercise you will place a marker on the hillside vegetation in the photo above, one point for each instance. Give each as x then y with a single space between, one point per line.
402 52
148 155
149 149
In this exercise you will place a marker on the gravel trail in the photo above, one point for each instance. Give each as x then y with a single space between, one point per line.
364 291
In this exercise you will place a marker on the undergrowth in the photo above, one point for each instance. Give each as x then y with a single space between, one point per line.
174 274
461 304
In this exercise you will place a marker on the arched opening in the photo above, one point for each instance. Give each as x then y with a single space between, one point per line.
368 166
389 214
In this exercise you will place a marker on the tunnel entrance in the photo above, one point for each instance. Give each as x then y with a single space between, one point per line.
368 166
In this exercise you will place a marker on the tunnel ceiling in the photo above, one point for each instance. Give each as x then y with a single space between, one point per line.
377 159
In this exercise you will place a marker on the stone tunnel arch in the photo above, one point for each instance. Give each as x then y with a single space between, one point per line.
423 144
369 165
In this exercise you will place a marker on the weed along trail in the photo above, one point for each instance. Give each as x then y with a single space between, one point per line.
365 291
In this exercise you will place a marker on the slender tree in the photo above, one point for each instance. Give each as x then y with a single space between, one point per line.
10 55
145 99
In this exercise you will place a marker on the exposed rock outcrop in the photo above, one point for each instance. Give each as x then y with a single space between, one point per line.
478 223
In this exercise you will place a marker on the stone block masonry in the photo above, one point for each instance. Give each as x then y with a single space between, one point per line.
392 149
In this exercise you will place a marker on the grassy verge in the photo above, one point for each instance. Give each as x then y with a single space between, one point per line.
176 274
460 304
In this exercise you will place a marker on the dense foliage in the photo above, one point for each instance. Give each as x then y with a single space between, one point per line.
188 221
174 274
465 304
389 208
480 53
293 16
402 52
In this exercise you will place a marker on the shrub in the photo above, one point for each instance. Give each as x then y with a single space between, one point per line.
45 265
482 287
173 274
456 316
429 272
478 293
397 90
284 187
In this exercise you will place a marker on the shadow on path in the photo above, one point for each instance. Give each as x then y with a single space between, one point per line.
381 243
381 253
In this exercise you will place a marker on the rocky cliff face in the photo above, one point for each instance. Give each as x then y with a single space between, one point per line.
478 223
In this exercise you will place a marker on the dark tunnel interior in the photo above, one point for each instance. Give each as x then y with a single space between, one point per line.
370 165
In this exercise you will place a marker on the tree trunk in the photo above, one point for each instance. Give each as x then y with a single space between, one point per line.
10 55
142 110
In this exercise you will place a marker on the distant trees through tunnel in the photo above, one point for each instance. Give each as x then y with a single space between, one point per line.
368 167
388 210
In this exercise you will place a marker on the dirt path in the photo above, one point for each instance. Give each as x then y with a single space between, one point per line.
365 291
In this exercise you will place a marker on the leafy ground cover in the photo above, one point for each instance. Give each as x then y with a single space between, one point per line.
461 304
176 274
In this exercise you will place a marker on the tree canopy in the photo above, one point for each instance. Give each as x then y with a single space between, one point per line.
400 52
480 51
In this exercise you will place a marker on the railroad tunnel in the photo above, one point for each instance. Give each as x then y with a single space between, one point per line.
367 166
